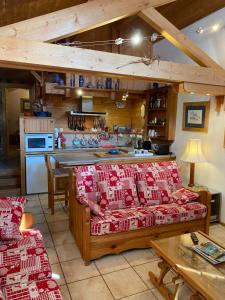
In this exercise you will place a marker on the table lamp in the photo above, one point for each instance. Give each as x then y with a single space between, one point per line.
193 154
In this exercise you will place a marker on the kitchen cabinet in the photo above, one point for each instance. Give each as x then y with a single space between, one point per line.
38 125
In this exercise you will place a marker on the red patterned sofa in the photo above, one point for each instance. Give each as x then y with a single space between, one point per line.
116 207
25 271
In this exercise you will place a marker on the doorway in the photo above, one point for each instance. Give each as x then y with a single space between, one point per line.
10 110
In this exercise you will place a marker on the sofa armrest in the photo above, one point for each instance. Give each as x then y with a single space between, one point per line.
204 198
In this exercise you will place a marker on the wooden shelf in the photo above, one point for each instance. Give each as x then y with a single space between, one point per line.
155 125
62 87
157 109
165 133
160 90
97 114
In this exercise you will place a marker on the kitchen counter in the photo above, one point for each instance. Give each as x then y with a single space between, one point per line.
83 158
74 149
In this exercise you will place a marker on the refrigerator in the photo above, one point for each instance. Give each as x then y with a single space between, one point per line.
36 174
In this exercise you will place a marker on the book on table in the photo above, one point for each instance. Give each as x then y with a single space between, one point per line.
210 251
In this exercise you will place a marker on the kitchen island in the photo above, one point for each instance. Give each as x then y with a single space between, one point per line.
77 158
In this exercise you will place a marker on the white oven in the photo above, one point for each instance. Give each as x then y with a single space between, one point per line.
39 142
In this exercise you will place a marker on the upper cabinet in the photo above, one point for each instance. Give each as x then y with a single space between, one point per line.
38 125
161 114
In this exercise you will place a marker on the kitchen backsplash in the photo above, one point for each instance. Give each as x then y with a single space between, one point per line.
94 140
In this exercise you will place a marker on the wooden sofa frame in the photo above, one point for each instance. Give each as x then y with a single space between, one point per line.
92 247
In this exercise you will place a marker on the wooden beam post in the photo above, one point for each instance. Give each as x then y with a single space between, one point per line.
220 101
177 38
31 55
76 19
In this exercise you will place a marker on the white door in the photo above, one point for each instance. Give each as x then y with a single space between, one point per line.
36 174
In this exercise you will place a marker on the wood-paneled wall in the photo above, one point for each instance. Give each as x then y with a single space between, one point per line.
130 115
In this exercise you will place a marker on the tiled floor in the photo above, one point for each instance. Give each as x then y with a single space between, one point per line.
123 276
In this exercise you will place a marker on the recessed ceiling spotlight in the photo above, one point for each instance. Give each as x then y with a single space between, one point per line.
137 38
208 94
200 30
192 93
215 27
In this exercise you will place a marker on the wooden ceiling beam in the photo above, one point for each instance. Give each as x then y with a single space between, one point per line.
32 55
202 89
177 38
77 19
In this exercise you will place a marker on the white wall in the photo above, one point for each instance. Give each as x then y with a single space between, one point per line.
212 173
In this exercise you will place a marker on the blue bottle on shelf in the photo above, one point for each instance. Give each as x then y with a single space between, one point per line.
108 83
81 81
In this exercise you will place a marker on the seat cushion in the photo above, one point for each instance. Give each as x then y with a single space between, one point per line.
174 213
117 186
10 251
38 290
11 211
122 220
22 265
183 196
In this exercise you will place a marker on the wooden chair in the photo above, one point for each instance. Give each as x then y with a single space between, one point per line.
55 185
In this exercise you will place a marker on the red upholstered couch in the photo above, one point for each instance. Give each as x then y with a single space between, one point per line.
115 207
25 271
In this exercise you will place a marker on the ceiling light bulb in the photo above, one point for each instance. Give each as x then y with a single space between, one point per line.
208 94
200 30
192 93
79 92
216 27
136 39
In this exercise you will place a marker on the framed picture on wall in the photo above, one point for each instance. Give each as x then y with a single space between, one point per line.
25 105
196 116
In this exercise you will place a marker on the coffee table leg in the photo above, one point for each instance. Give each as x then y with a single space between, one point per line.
158 281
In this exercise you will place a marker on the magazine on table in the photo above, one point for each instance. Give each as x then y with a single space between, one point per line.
210 251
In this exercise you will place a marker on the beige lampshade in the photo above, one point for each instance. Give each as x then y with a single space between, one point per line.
193 152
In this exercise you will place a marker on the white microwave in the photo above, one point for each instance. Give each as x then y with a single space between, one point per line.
39 142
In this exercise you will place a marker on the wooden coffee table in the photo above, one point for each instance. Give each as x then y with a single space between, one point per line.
207 280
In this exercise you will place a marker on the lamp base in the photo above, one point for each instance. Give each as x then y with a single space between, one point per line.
192 175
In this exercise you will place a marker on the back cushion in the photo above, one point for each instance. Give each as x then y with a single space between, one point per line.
11 211
170 168
152 184
86 182
117 186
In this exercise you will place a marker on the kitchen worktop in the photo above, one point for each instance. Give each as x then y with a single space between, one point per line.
81 157
74 149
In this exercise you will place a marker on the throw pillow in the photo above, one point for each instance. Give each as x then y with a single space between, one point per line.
183 196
